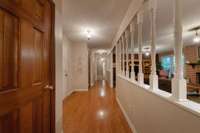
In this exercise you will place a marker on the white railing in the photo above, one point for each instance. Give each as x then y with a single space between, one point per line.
178 83
179 88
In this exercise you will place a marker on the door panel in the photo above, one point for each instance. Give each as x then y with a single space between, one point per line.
8 51
38 54
9 122
37 115
46 112
26 66
29 5
26 117
27 55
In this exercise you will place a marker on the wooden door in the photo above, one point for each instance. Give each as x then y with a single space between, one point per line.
26 66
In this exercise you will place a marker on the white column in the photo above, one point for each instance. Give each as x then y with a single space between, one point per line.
179 86
127 54
124 63
111 69
132 31
140 22
124 53
122 42
118 58
153 76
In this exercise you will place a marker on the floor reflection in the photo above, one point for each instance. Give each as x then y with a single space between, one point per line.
95 111
102 87
102 92
101 114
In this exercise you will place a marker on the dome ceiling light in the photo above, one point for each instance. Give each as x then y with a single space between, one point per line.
88 34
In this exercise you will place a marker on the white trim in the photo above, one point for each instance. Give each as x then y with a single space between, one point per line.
69 93
92 84
80 90
126 116
74 90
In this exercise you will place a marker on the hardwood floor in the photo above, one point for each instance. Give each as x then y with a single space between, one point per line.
95 111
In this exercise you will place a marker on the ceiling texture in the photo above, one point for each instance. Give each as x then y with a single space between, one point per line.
165 23
101 17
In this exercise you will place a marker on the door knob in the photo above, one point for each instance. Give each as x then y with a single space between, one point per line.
49 87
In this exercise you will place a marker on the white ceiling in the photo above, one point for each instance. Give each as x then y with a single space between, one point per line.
102 17
165 26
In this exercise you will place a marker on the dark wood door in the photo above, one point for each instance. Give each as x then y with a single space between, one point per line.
26 66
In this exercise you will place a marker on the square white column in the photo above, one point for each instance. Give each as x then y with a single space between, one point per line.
179 85
153 76
127 53
132 31
140 23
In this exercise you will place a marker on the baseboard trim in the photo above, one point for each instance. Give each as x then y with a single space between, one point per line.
126 116
74 90
59 126
81 90
69 93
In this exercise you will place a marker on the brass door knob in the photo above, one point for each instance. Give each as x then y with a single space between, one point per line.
49 87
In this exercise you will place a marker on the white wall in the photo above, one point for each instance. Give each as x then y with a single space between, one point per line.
75 60
151 113
67 60
79 66
63 64
59 65
101 68
109 69
71 66
93 67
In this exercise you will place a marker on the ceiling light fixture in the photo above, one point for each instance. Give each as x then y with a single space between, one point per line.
101 51
88 34
147 54
102 59
147 51
196 38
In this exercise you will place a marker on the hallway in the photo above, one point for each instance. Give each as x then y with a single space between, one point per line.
95 111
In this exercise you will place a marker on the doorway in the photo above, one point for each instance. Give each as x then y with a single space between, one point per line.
114 67
101 68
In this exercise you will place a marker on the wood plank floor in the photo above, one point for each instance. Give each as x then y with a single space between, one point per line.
95 111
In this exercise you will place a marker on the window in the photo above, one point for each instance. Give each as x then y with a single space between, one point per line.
168 66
